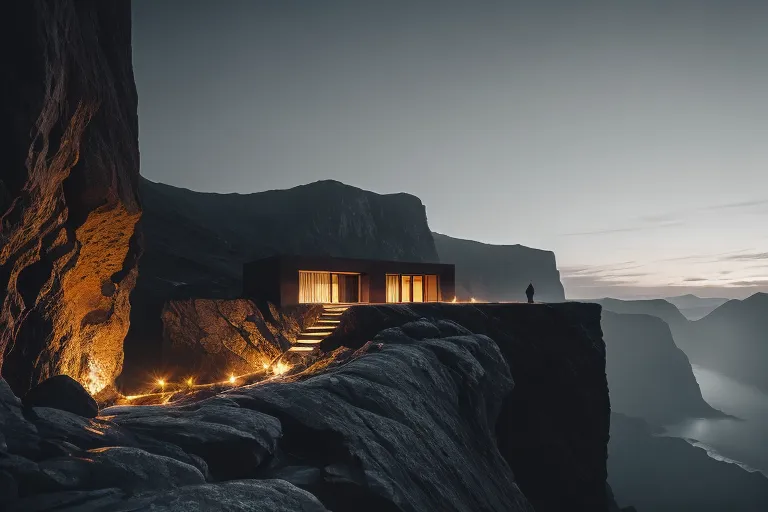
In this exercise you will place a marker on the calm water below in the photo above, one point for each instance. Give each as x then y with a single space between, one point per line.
743 440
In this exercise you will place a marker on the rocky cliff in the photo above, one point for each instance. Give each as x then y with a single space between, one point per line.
442 407
659 308
68 190
196 243
648 375
500 272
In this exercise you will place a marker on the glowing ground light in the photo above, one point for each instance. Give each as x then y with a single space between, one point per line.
190 382
454 299
232 379
161 383
266 366
280 368
472 299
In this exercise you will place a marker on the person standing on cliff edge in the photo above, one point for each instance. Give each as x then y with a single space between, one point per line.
529 293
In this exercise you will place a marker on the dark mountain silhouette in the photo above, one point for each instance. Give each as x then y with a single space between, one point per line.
648 375
733 339
664 474
695 308
500 272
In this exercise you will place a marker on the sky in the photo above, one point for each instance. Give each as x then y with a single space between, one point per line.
629 137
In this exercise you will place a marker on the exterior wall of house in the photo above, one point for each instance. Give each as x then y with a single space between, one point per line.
276 279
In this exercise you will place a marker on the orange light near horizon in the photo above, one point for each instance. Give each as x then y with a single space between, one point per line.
472 299
232 379
161 383
455 299
190 382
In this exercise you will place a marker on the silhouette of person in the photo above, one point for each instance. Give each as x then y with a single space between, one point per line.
529 293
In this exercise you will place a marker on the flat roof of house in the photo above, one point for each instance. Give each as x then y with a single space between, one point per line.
299 258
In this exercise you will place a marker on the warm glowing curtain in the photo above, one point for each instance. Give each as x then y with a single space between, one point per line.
314 287
418 288
405 289
393 292
432 295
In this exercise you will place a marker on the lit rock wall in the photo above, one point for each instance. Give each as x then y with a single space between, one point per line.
211 338
68 245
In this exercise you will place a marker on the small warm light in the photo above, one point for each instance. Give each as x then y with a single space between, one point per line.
472 299
232 379
190 382
454 299
280 368
266 366
161 383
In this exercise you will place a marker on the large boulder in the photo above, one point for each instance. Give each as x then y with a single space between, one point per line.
62 392
68 245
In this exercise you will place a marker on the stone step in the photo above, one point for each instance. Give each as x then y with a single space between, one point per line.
327 321
297 348
311 334
318 328
310 340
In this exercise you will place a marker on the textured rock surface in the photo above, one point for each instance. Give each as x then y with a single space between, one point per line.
500 272
196 243
70 176
424 415
553 427
648 375
209 336
62 392
664 474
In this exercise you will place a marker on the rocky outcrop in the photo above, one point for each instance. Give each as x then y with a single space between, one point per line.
196 243
648 375
62 392
659 308
557 416
732 340
68 245
213 338
426 415
665 474
500 272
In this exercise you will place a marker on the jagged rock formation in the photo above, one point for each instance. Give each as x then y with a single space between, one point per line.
211 338
553 427
648 375
68 246
733 340
500 272
424 416
665 474
196 243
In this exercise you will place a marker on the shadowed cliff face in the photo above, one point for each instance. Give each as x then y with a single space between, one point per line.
648 375
500 272
68 246
553 427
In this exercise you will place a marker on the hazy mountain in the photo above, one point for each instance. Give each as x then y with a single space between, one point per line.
664 474
655 307
500 272
648 375
693 307
733 340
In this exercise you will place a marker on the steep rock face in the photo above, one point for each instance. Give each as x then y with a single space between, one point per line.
553 427
425 416
68 245
212 338
733 340
665 474
648 375
196 243
659 308
500 272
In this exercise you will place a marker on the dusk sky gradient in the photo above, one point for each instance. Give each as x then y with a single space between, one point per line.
629 137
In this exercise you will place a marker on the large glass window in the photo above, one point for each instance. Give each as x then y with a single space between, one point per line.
432 292
418 289
405 289
314 287
393 288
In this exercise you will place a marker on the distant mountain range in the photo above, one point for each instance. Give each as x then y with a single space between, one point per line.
732 339
693 307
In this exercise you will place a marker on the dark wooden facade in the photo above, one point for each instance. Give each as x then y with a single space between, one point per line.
276 279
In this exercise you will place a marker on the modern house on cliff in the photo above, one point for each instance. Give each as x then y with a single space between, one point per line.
290 280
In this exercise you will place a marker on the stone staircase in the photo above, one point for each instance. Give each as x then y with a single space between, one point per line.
308 341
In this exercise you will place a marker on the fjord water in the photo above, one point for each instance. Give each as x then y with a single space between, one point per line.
743 439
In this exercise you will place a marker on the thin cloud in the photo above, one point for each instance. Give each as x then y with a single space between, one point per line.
750 283
755 256
629 229
738 205
694 279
